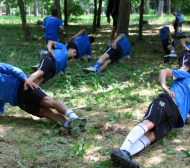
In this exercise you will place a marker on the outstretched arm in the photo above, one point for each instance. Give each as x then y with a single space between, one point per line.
78 34
185 41
50 45
164 73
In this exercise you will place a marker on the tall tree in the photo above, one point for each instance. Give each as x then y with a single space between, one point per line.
24 22
7 8
146 7
99 13
0 8
124 17
35 8
42 9
58 7
160 8
65 13
141 19
168 6
28 10
95 14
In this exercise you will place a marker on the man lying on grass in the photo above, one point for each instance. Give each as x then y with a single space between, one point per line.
166 111
81 42
117 50
53 63
168 44
18 90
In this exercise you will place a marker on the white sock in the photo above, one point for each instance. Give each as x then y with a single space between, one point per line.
134 135
109 42
66 125
139 145
44 52
69 113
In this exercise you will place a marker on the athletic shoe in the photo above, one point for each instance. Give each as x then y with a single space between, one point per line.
123 157
77 122
75 131
41 53
90 69
172 54
35 67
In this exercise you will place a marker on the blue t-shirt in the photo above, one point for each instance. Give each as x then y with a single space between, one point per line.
126 47
10 78
61 57
163 34
180 17
181 88
83 46
188 46
51 25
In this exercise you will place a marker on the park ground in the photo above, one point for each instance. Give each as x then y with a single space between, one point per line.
113 101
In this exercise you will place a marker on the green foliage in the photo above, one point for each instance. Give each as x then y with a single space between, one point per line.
104 164
181 6
185 153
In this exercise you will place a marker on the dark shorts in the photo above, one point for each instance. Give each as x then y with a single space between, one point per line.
29 100
177 24
47 65
114 54
163 112
115 19
166 43
184 59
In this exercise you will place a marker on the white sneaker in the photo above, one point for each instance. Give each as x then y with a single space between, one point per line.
35 67
90 69
172 54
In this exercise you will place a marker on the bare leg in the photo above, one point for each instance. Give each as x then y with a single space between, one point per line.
150 136
39 80
38 74
54 104
113 32
171 48
105 64
103 58
54 117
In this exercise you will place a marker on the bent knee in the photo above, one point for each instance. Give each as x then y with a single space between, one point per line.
150 136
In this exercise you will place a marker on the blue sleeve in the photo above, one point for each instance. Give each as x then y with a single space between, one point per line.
60 23
11 70
59 45
2 106
89 51
180 74
166 29
44 23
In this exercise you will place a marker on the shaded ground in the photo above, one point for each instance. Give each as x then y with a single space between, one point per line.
113 101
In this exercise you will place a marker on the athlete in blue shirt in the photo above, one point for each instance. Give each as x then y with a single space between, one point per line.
168 110
53 63
178 23
51 26
117 50
18 90
83 44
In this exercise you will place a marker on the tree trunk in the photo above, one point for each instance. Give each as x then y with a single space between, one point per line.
28 10
141 20
160 8
7 8
146 7
35 8
58 7
0 8
69 4
99 13
124 17
169 6
24 22
65 13
42 10
95 14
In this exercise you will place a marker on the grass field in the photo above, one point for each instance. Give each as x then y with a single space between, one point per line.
113 101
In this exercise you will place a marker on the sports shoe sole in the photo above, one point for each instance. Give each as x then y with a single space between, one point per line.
75 131
78 122
35 68
123 162
87 70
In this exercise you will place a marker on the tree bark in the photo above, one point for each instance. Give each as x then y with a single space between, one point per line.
35 8
141 20
99 13
0 8
146 7
42 10
95 14
169 6
28 10
58 7
69 4
7 8
160 8
124 17
24 22
65 13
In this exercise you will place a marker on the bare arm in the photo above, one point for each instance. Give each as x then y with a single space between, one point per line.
78 34
61 30
164 73
185 41
50 45
169 35
114 44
